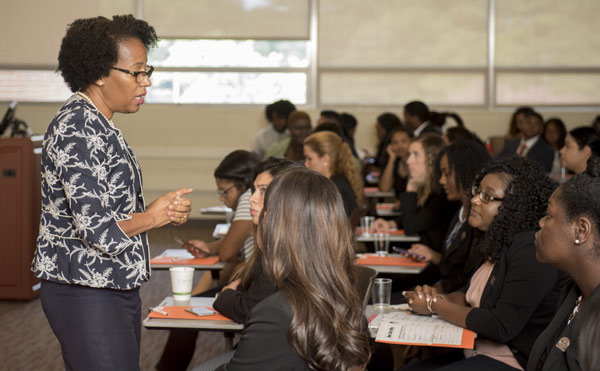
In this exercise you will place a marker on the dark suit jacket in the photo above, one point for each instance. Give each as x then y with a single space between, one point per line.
429 221
237 304
540 152
347 193
461 258
519 298
264 344
545 355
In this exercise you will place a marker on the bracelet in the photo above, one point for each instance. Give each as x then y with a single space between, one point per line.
428 303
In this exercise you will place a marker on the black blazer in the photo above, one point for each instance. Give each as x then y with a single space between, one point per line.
347 193
519 298
264 344
429 221
237 304
545 355
461 258
540 152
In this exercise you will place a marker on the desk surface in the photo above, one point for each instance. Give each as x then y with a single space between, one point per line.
396 268
206 325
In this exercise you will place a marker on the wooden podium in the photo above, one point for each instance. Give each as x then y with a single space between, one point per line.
19 216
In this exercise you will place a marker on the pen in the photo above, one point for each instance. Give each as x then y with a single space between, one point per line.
159 310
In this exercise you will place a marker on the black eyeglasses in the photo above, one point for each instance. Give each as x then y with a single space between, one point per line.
223 193
138 75
484 197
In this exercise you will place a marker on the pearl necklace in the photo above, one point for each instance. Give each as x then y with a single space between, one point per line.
89 100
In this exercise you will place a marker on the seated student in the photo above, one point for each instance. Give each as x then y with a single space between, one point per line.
238 297
569 240
511 297
385 123
315 321
395 173
327 154
516 121
457 164
589 338
234 179
277 114
580 144
554 134
292 147
530 145
425 209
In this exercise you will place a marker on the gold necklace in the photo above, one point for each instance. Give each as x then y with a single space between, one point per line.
89 100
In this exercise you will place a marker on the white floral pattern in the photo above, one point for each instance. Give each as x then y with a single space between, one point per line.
90 181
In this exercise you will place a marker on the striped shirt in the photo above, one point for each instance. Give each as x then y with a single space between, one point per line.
242 212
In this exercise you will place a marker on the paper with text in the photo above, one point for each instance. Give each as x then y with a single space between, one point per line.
408 328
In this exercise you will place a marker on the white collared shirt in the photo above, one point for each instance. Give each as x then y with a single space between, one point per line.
420 128
528 144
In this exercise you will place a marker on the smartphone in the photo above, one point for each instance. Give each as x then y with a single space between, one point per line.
408 253
199 311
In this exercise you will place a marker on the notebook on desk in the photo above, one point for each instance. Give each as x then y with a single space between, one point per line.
407 328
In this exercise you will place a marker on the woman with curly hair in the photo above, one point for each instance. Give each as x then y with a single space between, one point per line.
315 320
425 209
569 240
326 153
511 297
92 250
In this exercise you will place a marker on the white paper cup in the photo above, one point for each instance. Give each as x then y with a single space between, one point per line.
382 243
181 282
381 293
366 224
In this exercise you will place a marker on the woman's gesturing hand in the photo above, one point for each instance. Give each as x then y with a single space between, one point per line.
171 207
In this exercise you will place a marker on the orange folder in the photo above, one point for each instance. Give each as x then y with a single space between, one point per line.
178 312
211 260
389 260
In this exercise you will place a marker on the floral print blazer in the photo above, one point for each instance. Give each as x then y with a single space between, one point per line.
90 181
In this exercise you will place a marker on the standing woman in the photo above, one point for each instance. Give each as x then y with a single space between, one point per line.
569 240
315 319
92 251
326 153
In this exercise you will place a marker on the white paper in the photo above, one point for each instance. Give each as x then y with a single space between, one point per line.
405 327
221 230
177 253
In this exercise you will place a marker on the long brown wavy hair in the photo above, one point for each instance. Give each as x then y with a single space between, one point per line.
307 250
432 145
342 162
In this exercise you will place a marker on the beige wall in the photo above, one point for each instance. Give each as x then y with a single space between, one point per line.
180 145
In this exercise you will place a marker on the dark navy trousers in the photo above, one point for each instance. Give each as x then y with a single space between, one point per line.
98 329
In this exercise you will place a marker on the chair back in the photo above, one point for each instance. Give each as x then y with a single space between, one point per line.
364 280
